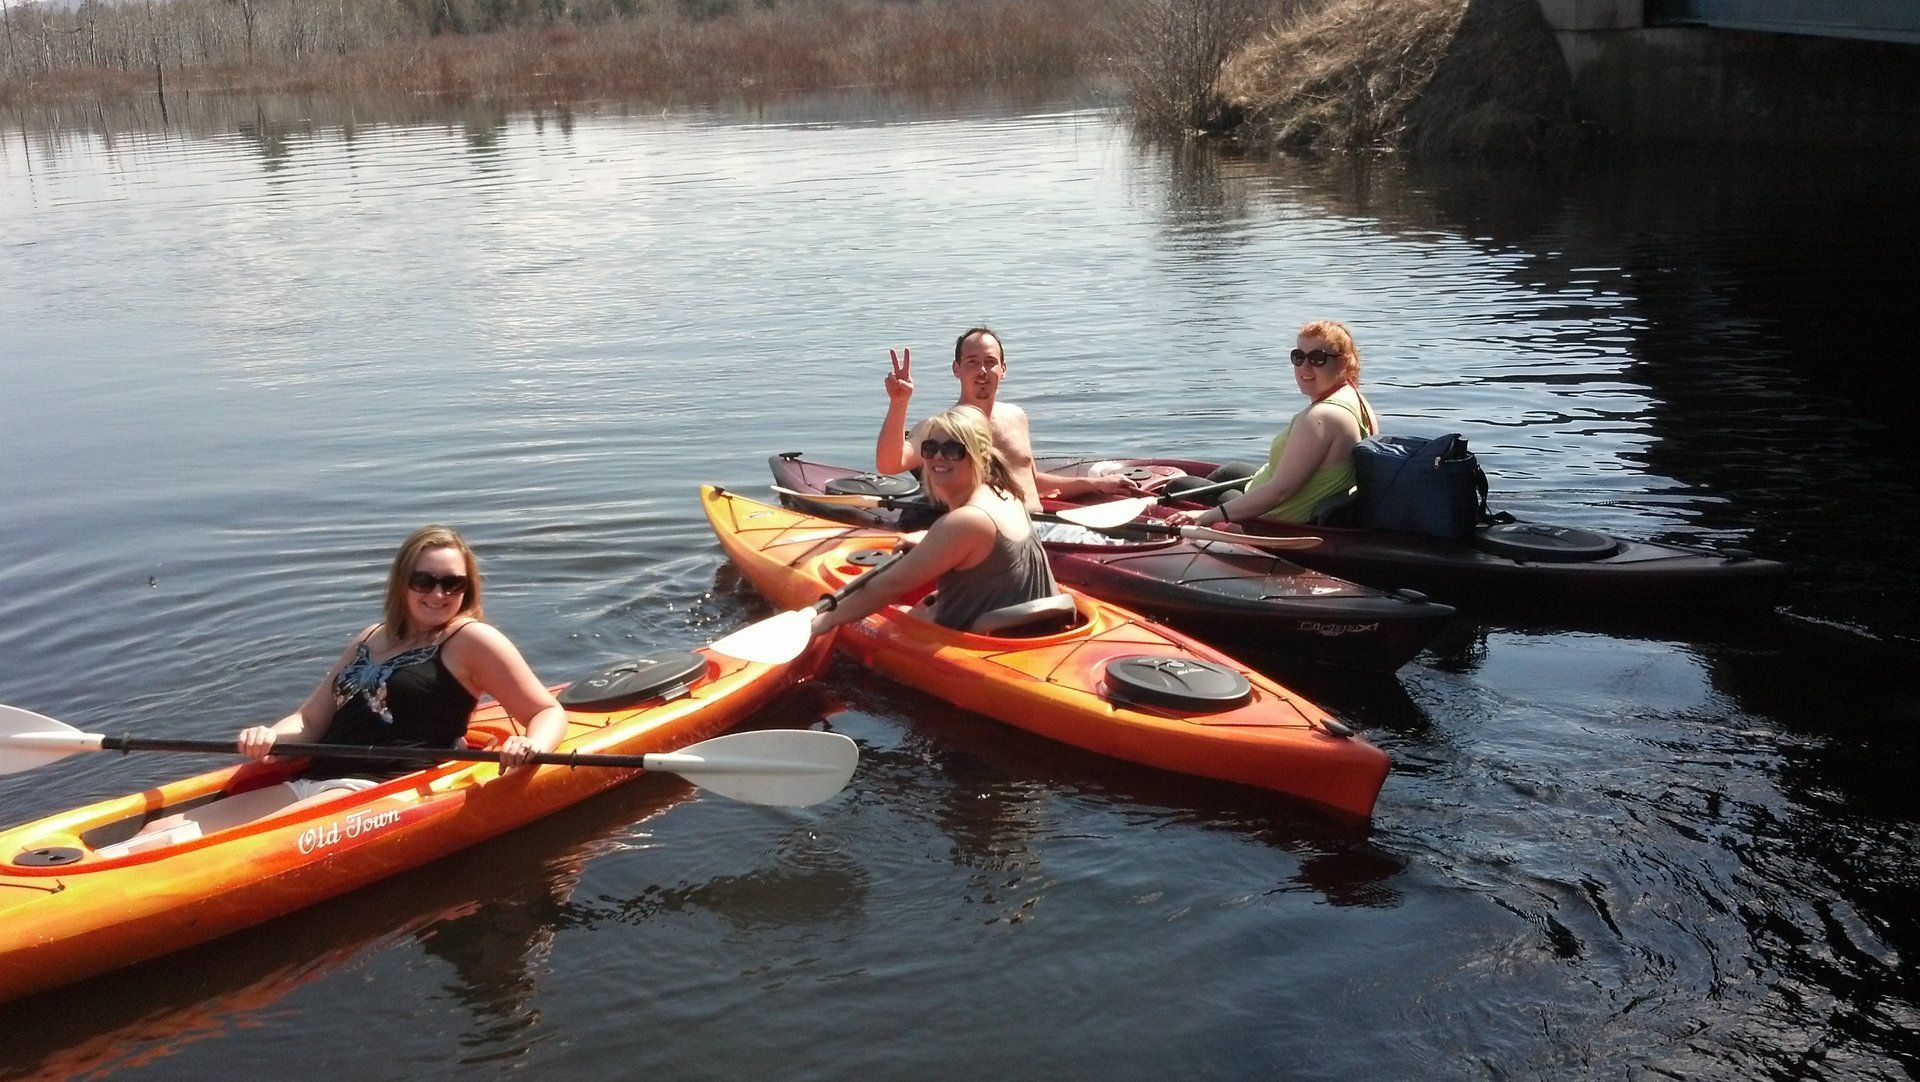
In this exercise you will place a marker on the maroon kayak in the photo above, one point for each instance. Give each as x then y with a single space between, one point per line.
1225 594
1525 562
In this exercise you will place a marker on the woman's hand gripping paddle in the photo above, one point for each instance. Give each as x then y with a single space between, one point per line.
783 636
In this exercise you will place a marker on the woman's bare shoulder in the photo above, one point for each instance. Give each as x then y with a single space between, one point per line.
967 519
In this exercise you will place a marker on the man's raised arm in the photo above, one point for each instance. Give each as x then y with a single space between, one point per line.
891 451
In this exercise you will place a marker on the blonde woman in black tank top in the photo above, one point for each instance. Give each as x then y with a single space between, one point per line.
432 625
982 554
410 680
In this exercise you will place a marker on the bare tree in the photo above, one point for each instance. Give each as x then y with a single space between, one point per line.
159 80
13 52
1173 51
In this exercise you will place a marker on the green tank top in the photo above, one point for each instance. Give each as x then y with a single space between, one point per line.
1321 484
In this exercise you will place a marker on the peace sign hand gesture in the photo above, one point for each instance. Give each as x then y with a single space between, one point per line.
900 378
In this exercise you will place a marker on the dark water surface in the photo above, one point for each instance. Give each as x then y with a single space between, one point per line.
240 358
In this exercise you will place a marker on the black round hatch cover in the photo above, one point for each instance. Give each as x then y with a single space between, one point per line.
869 557
1181 683
51 856
872 484
634 681
1539 541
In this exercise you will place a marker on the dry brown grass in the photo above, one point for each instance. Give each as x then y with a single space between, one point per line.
661 54
1419 76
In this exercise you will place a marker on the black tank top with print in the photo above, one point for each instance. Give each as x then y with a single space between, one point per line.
410 700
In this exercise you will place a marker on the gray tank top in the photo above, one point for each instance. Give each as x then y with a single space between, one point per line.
1014 572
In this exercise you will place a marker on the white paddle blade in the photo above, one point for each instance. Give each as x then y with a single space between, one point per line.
773 641
29 740
1105 516
822 497
789 768
1202 533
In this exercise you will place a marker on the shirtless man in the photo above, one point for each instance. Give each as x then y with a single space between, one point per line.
979 363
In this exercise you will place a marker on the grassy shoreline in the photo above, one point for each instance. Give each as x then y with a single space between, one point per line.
1424 77
661 56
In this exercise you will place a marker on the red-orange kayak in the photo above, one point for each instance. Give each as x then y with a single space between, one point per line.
1115 683
74 904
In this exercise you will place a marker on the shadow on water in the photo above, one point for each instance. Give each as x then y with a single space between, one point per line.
1744 343
1767 332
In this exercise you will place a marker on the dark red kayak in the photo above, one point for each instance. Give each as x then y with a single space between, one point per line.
1527 562
1225 594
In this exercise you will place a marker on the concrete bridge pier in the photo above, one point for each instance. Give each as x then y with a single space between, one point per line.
1646 76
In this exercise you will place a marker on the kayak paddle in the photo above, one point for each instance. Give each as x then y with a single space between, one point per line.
1102 517
783 636
1134 505
786 767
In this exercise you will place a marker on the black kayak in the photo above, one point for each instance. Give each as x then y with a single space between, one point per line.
1527 563
1225 594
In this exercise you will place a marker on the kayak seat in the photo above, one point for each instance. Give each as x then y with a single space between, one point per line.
487 735
1176 488
183 831
1339 509
1232 471
1043 616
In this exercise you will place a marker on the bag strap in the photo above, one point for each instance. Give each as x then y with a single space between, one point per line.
1486 517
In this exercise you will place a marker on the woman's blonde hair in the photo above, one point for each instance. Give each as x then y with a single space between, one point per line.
421 540
969 426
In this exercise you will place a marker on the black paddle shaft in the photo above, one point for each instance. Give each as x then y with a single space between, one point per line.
828 602
1205 490
1136 526
124 744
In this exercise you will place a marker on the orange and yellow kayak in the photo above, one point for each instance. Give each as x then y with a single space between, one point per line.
76 900
1115 683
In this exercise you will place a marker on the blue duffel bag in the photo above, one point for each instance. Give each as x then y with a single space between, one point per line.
1431 485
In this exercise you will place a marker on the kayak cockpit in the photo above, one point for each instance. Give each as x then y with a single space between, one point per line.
110 833
218 803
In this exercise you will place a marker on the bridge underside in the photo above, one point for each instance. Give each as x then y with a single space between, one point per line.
1833 73
1866 20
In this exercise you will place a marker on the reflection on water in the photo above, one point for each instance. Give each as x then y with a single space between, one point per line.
249 350
490 915
807 882
996 794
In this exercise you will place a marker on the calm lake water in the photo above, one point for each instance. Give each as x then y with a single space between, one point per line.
242 356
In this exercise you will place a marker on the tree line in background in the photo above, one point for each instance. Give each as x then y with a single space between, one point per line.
45 41
46 38
1446 76
1166 51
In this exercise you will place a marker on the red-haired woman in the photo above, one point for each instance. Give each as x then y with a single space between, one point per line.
1312 458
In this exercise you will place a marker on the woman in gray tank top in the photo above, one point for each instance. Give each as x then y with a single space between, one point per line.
981 555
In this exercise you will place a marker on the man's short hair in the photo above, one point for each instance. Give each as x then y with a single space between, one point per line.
961 342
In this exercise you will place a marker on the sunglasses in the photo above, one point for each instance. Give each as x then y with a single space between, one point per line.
951 450
1317 358
422 583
